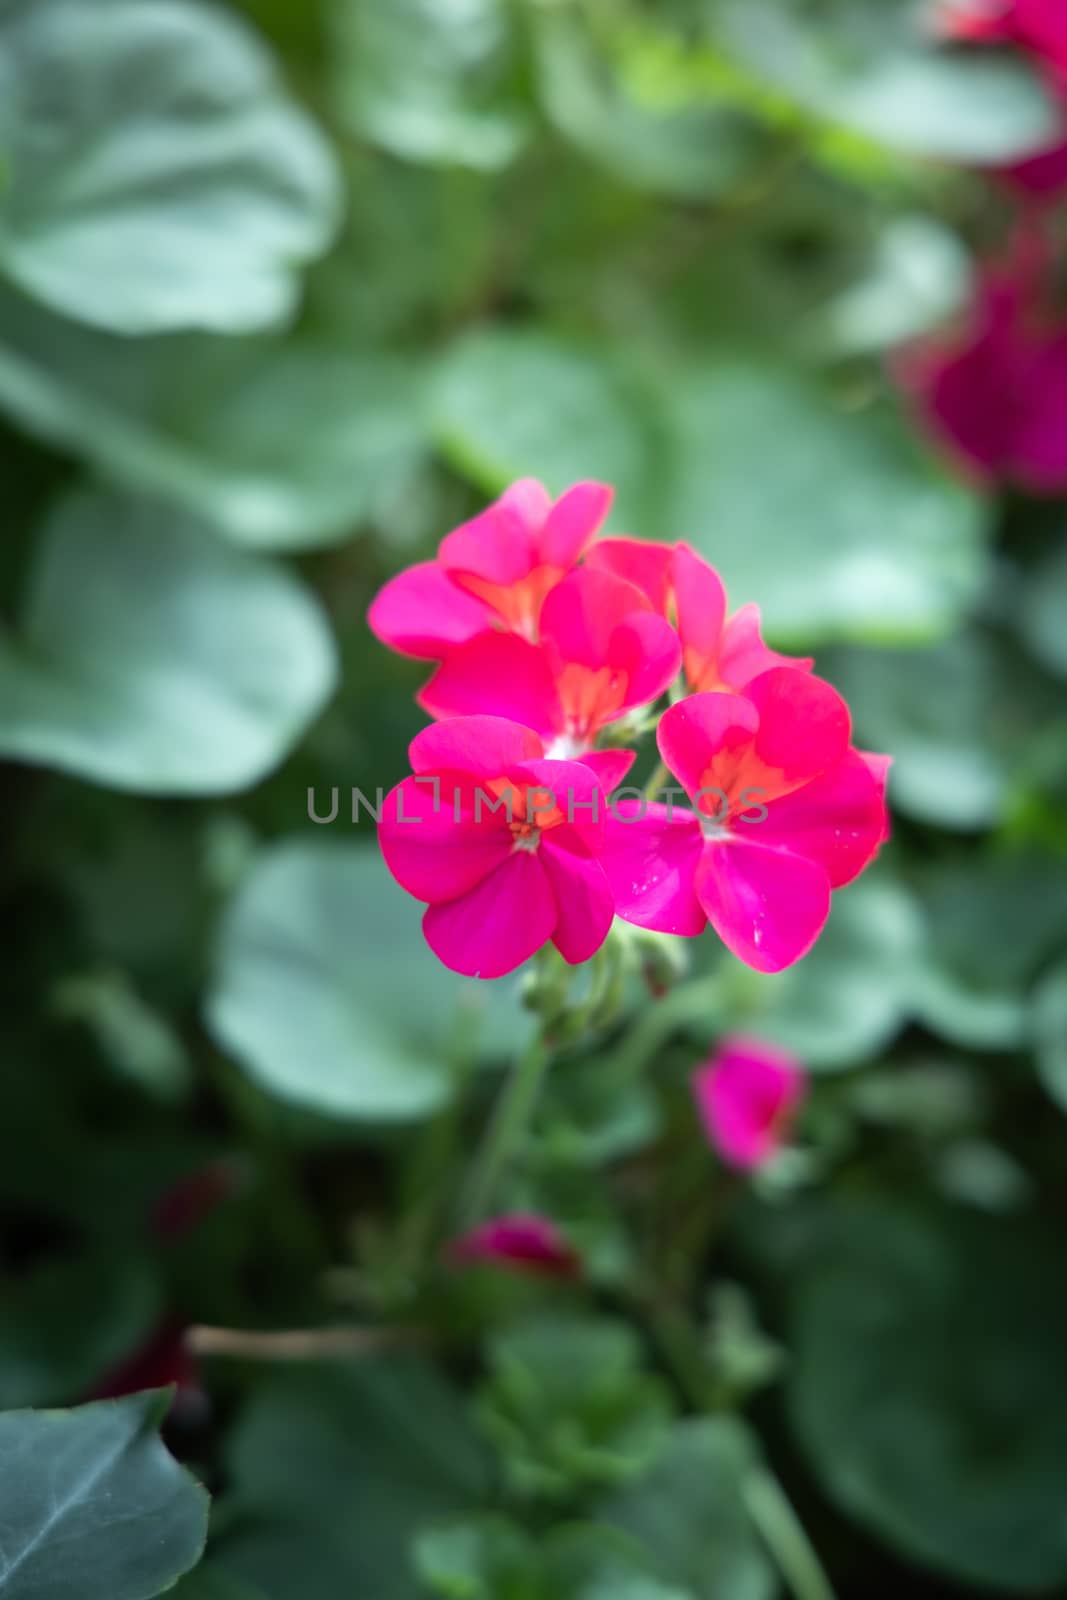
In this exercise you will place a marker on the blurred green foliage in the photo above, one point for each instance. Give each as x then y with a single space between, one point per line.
287 292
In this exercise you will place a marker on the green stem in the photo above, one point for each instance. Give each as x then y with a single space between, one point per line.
785 1537
510 1121
654 786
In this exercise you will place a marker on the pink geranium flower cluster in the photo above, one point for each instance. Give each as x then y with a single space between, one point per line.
550 647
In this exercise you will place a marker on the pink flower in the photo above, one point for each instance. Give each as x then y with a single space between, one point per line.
602 651
1037 26
785 811
995 394
492 572
501 844
748 1095
1040 28
522 1242
719 652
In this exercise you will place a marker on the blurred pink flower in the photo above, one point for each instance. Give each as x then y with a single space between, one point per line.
748 1095
995 391
501 844
784 812
493 572
523 1242
1038 27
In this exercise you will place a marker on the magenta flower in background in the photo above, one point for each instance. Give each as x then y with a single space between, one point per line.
1038 27
523 1242
493 572
501 844
784 811
602 652
719 651
995 392
748 1096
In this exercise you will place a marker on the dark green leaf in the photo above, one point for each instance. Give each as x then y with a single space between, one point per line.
150 657
93 1506
157 176
319 960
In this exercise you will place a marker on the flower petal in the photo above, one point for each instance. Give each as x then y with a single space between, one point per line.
584 901
486 747
499 924
651 855
700 602
645 563
523 1241
766 905
747 1095
422 613
609 766
499 545
804 725
693 732
575 789
743 654
575 520
837 820
646 648
431 843
581 614
500 674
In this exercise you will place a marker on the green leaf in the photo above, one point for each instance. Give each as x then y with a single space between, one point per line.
957 717
429 82
568 1405
94 1507
209 423
150 657
991 922
1042 610
157 175
847 1000
875 71
492 1559
137 1040
509 403
353 1459
70 1322
319 958
926 1388
689 1514
1049 1021
831 519
843 530
690 151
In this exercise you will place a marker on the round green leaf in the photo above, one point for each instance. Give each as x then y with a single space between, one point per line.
94 1507
157 176
327 994
276 442
1043 608
150 657
842 530
832 519
847 1000
926 1388
878 72
960 719
429 82
1049 1020
690 151
688 1512
508 404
